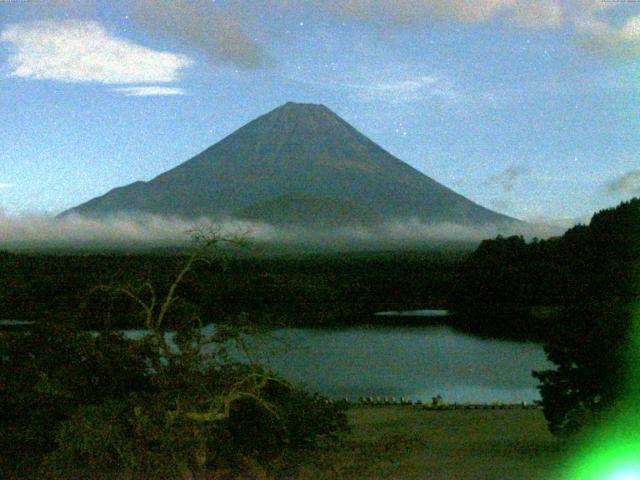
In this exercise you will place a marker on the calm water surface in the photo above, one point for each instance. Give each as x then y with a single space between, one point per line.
416 362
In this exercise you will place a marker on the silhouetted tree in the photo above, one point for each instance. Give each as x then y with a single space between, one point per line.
589 344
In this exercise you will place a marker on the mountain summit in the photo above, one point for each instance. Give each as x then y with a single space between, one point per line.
298 164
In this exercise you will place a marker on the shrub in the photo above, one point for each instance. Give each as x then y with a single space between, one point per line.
47 373
202 425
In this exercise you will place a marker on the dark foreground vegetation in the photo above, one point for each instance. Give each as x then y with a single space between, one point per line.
81 405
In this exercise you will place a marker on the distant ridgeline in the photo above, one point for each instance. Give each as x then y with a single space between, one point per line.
514 289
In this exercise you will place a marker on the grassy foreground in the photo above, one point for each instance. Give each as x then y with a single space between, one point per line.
400 442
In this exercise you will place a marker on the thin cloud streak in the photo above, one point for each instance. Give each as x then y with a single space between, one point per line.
149 91
400 90
407 90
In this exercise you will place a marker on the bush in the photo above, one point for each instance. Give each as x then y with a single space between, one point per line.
47 373
198 425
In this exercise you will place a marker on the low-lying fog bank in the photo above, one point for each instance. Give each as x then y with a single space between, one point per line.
126 231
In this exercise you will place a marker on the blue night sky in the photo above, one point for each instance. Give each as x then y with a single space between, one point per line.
530 108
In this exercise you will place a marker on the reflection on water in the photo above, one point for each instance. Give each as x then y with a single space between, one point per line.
416 362
14 323
429 313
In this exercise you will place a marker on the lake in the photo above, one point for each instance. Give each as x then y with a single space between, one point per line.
414 362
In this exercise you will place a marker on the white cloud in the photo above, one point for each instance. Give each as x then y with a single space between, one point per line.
84 51
223 31
5 185
149 91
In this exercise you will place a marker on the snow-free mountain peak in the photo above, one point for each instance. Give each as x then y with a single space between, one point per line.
299 163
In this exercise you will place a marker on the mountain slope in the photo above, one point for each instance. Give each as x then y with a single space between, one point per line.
297 151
